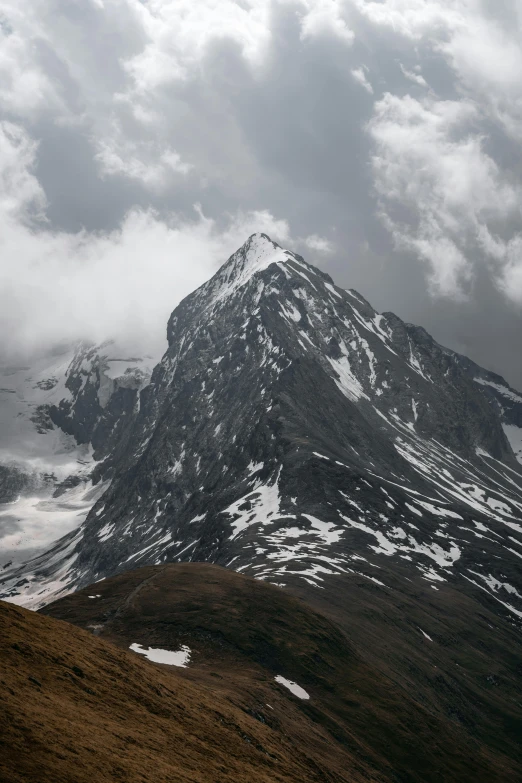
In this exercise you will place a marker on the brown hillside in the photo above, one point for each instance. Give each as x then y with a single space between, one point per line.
76 709
243 632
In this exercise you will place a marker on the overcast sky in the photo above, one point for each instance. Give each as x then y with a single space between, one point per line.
142 141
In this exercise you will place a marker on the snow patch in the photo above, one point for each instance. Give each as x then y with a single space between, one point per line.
179 657
509 393
293 687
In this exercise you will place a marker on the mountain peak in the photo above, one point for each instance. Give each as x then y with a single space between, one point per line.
255 255
256 242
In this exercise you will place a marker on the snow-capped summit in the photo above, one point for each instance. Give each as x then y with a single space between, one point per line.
253 257
257 254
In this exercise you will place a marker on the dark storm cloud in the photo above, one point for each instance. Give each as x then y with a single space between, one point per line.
280 107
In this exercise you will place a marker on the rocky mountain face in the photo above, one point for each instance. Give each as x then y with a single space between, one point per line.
291 432
103 397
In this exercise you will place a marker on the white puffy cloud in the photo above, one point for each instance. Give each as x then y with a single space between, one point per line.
444 192
359 74
25 87
415 19
510 275
122 284
442 196
487 59
128 87
179 32
150 164
482 44
319 244
325 17
21 194
414 76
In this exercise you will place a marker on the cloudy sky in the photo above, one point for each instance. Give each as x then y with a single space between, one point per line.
142 141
